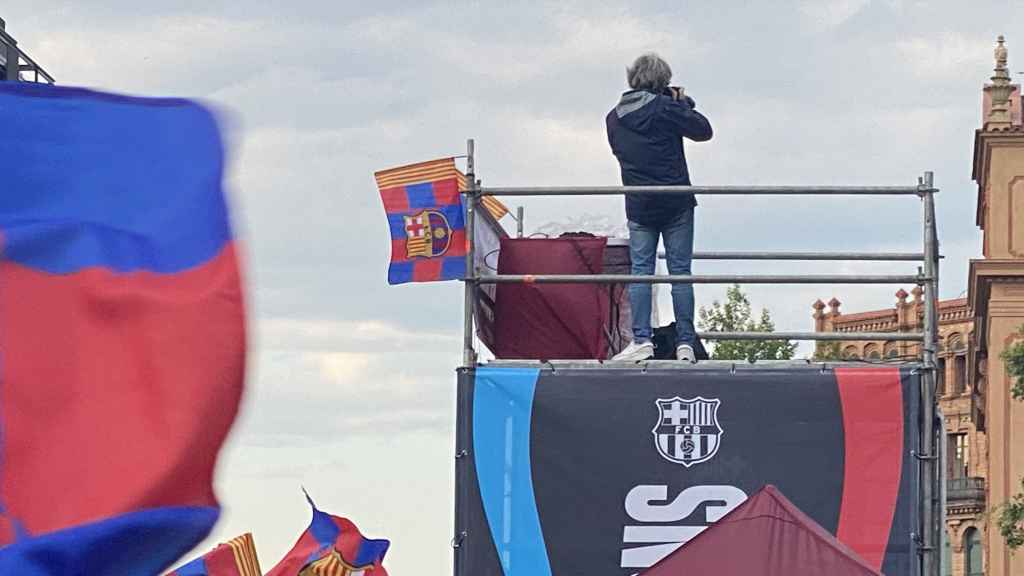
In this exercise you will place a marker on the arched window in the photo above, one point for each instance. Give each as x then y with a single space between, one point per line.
871 352
850 353
960 345
972 553
955 342
892 350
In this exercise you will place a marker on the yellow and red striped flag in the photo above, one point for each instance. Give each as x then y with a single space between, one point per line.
334 565
236 557
493 206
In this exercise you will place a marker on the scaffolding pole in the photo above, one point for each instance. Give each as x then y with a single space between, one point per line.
705 190
819 336
930 563
700 279
810 256
468 349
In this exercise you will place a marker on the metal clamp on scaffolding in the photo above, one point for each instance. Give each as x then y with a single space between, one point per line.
927 277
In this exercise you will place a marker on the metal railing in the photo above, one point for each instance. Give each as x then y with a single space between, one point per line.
810 256
927 277
17 64
965 488
700 279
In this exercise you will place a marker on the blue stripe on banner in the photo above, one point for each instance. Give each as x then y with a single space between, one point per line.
145 542
502 408
453 268
421 196
400 272
196 567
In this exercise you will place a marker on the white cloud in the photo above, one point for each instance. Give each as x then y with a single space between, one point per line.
342 367
826 14
950 55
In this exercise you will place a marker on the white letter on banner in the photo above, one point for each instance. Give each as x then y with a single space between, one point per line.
666 539
639 502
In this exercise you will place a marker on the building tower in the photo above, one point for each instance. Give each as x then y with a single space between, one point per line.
996 292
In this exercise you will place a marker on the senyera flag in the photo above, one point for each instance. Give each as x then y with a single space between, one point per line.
122 336
332 546
236 557
425 216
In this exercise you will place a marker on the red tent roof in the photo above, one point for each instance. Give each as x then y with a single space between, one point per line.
765 536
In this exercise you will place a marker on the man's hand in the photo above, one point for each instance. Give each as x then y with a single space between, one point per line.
679 95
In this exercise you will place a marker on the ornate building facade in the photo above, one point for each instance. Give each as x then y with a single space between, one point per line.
960 396
984 426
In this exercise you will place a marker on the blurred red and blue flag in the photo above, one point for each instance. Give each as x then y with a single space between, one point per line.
425 217
236 557
122 333
332 546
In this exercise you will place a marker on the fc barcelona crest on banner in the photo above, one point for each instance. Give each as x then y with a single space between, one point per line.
687 431
428 234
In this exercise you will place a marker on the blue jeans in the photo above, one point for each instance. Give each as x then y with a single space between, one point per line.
643 251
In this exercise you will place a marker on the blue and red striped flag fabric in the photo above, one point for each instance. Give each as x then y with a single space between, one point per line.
236 557
425 217
122 332
332 546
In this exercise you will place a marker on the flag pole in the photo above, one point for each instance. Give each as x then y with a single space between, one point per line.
468 350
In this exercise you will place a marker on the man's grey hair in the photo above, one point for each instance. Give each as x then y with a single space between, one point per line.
649 72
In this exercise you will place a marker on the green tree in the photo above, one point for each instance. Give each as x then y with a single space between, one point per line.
735 315
828 351
1011 514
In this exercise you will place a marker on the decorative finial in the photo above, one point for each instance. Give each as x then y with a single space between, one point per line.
834 306
999 90
1001 53
819 309
901 295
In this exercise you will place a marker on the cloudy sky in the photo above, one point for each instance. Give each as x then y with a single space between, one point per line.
351 388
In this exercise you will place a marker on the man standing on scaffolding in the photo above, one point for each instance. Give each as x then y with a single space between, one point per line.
646 131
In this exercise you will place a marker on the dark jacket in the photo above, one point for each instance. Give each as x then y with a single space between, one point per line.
646 132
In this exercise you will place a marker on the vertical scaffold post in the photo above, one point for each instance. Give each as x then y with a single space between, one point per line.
470 195
930 514
13 59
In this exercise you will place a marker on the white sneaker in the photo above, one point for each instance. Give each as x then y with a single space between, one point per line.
685 353
635 352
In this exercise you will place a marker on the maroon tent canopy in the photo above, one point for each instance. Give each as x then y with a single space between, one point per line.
551 321
765 536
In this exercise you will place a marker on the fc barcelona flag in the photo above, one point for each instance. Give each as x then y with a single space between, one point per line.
236 557
122 331
425 216
332 546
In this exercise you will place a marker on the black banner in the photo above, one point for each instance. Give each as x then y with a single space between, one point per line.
606 471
